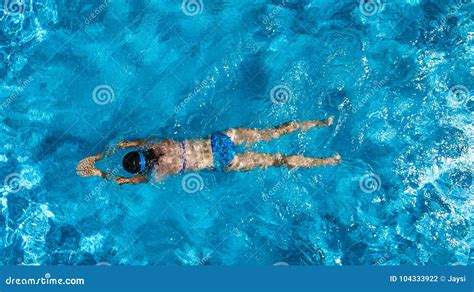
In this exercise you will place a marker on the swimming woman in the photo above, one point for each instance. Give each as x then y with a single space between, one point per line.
218 152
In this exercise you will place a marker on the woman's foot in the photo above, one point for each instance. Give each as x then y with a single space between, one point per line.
335 160
329 121
317 123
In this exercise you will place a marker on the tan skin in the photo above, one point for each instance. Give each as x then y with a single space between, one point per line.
199 153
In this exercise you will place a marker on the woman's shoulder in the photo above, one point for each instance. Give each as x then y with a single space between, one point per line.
164 146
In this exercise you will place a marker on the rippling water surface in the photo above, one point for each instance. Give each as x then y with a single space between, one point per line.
80 75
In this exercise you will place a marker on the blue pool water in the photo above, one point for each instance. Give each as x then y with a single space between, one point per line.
78 76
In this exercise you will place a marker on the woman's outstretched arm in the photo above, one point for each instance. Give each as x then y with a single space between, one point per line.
137 179
136 143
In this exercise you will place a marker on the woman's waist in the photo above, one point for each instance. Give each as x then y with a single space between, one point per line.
197 154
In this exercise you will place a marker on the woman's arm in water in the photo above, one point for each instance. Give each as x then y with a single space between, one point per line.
134 143
138 179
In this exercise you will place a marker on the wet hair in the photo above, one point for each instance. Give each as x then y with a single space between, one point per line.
134 161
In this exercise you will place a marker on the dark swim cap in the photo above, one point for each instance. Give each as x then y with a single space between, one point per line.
134 162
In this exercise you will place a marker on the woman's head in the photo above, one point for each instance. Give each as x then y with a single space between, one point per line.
134 162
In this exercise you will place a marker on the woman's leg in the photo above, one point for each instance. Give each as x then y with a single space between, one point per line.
251 136
250 160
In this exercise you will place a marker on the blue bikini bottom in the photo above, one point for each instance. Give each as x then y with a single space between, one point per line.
223 150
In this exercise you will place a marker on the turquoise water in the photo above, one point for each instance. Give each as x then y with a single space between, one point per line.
78 76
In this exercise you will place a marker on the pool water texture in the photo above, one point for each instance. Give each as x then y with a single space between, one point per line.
78 76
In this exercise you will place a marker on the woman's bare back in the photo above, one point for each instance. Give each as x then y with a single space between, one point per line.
174 156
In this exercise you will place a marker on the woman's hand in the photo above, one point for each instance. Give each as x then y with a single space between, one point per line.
120 180
124 144
131 144
130 180
86 166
